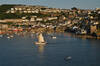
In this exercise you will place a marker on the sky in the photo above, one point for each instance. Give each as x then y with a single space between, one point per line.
67 4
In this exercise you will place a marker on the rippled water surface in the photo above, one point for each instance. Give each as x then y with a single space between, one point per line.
21 51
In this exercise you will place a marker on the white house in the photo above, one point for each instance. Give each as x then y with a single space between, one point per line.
39 19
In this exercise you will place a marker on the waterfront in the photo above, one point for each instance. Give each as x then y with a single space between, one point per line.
21 50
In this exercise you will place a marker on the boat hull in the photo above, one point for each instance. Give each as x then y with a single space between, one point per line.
40 42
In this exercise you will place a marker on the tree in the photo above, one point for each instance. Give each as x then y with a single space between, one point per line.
74 8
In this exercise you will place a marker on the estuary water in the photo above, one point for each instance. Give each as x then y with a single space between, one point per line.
20 50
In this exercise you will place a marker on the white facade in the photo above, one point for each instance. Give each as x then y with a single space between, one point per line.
39 19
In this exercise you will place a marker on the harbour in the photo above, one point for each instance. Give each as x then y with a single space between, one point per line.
49 33
22 51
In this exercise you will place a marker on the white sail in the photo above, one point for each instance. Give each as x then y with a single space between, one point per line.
40 38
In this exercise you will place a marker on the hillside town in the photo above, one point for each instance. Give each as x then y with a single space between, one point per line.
45 19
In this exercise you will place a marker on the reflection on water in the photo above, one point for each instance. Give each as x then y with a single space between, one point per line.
19 50
40 48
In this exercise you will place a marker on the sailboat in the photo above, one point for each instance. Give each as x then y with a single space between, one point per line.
41 39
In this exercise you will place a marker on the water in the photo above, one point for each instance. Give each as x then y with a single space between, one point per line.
21 51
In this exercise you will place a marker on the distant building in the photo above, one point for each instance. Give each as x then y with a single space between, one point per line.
39 19
32 19
93 29
52 18
3 26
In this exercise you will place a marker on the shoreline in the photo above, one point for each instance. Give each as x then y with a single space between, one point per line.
87 37
45 30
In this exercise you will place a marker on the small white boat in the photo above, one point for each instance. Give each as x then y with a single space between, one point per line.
41 39
54 37
11 36
8 37
1 35
68 58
